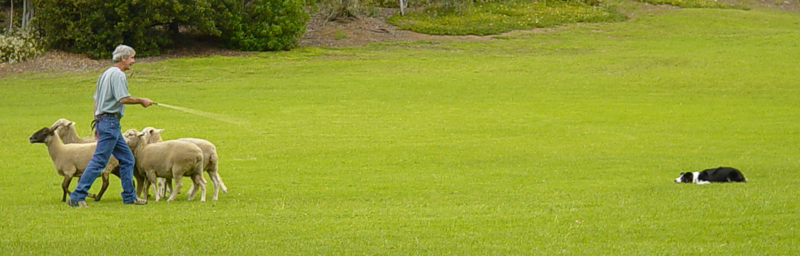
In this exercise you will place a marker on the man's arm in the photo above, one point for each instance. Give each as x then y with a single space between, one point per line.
145 102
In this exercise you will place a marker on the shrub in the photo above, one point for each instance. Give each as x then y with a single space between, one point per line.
264 25
16 47
95 27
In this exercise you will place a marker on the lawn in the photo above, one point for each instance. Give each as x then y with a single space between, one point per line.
562 141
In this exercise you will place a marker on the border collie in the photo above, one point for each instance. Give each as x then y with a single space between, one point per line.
719 174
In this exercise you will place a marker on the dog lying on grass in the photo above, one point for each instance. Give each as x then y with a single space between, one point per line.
719 174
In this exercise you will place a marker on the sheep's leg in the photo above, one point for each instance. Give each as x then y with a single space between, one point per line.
162 191
178 183
139 184
151 179
221 184
65 187
66 191
214 179
192 189
169 187
198 181
214 174
104 176
146 187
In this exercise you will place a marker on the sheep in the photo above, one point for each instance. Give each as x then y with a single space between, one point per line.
169 159
71 159
209 155
66 130
68 133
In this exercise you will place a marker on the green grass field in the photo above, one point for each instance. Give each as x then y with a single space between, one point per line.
557 142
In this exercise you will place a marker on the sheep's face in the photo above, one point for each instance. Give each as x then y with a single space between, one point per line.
132 137
62 131
41 135
152 135
61 122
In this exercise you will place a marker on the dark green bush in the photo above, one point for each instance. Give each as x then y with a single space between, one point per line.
263 25
95 27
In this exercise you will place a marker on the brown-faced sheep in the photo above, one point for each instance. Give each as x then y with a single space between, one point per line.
68 134
70 159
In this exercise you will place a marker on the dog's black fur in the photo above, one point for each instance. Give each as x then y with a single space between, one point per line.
719 174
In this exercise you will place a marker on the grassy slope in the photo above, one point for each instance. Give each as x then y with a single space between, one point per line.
558 142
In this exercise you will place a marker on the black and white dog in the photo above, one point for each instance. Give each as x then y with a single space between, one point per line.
719 174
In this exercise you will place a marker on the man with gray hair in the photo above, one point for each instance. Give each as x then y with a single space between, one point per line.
110 98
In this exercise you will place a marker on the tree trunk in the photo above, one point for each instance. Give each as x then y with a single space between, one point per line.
27 15
11 17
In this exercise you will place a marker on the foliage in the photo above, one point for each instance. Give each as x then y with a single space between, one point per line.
3 20
18 46
264 25
95 27
151 27
498 17
697 4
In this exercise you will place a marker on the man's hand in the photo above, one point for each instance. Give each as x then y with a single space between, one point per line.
146 102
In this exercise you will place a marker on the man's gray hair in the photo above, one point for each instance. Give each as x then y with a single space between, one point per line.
122 51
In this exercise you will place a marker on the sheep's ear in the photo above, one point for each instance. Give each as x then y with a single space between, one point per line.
159 130
71 123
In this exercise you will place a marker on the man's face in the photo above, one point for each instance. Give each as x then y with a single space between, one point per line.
127 62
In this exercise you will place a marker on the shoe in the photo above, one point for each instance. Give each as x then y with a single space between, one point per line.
77 203
137 201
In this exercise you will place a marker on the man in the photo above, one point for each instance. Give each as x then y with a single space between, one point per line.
110 98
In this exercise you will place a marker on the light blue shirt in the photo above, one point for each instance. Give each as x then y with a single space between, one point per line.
112 86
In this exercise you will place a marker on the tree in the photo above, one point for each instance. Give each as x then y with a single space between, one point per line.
27 15
11 17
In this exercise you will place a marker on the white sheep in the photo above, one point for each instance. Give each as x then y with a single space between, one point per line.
68 133
70 160
169 159
209 155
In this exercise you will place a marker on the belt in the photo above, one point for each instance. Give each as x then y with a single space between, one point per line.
115 115
97 117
